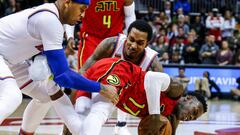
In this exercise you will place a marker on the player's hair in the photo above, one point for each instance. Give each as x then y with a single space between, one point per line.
201 99
142 26
181 68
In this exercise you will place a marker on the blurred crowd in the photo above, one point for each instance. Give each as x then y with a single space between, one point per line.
179 38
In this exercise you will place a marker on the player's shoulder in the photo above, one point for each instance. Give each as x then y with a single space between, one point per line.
46 12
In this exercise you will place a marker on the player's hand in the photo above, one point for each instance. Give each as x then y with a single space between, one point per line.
109 92
151 125
71 43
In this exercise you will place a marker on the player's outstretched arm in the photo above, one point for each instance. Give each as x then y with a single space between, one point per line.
67 78
104 50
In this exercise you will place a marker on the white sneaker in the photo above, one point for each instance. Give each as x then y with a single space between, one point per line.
121 130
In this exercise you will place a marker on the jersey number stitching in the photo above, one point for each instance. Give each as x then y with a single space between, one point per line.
107 21
136 104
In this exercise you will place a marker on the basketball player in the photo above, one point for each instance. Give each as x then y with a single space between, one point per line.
134 48
105 18
140 94
121 46
39 30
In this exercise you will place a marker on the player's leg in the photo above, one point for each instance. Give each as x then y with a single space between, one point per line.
100 111
121 126
10 94
86 48
10 97
33 115
60 102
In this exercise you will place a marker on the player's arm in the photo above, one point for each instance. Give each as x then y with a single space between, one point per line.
156 66
104 50
50 30
154 83
175 89
174 123
129 12
70 35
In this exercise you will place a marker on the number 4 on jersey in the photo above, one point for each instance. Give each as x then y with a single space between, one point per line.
107 20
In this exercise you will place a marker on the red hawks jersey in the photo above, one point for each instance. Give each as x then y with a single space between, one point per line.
104 18
129 80
147 60
134 101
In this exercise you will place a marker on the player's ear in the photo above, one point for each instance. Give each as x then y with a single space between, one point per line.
67 3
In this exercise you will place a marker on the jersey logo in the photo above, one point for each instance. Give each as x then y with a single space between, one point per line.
113 79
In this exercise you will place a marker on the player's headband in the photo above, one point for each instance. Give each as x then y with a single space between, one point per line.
87 2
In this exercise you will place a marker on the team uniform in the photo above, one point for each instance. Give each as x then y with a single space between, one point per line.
147 60
145 63
103 19
23 35
139 92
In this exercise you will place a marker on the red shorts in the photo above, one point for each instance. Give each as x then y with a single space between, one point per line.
87 45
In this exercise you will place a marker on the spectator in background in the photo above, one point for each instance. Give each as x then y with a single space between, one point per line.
164 59
190 51
175 58
168 11
212 84
149 17
172 31
13 8
198 27
214 24
224 55
237 59
160 46
236 91
184 4
181 23
234 41
202 86
209 50
178 47
3 5
229 24
184 80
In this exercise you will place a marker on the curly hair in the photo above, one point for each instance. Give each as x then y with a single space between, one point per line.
201 99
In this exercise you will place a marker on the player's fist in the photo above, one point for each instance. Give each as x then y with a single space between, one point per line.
109 92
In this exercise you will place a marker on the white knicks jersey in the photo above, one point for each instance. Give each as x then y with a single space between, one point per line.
20 38
147 60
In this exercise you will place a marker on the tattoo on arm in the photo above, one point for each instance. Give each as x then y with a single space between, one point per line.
156 66
103 50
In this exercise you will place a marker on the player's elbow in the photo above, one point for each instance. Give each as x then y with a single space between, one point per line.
64 80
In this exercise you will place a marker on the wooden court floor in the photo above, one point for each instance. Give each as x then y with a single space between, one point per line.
221 114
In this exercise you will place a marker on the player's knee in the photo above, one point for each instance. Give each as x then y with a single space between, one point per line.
52 88
12 94
11 102
83 104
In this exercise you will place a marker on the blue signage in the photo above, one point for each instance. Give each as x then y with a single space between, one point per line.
225 78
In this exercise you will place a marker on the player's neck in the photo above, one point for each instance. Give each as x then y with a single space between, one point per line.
58 5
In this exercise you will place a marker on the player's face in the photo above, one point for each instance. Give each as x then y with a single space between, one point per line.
74 13
189 108
135 44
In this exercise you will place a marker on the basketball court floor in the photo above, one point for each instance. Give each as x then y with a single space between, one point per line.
221 114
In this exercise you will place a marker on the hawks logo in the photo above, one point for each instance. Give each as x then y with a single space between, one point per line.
113 79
